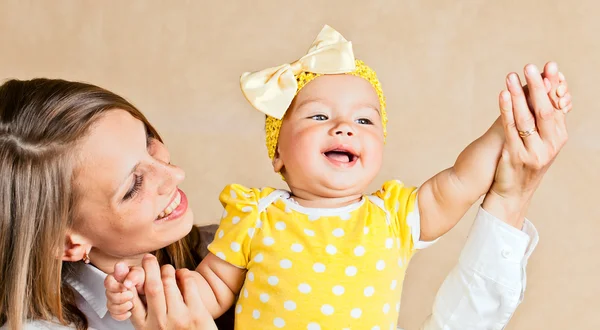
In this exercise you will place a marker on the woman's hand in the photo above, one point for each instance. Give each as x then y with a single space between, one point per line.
533 140
172 300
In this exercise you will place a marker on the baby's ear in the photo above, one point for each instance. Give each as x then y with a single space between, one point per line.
277 162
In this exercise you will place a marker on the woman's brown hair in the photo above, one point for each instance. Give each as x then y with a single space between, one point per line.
41 122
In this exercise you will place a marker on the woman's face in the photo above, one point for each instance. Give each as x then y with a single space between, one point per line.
128 201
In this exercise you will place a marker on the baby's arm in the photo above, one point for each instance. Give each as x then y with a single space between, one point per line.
446 197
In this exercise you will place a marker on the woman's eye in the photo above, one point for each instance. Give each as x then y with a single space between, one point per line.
135 188
319 117
364 121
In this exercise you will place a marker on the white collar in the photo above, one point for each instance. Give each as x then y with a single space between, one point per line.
88 281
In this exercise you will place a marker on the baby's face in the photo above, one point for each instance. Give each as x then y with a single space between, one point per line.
331 139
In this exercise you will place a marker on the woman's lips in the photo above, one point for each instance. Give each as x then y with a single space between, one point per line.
176 208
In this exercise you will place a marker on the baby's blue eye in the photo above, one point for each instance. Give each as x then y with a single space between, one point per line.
319 117
364 121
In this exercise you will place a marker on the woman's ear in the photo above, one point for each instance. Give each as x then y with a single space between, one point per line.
76 247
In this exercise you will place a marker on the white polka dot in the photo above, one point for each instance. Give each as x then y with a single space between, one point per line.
245 293
221 255
235 220
233 194
259 258
389 243
400 263
289 305
297 247
319 267
238 309
345 216
309 232
246 195
397 307
330 249
251 232
256 314
235 247
397 242
366 230
224 214
285 264
359 251
288 210
247 209
356 313
304 288
394 284
313 326
351 271
273 280
380 265
221 233
338 290
258 223
338 232
386 308
327 309
251 276
268 241
369 291
280 225
376 328
393 326
264 297
279 322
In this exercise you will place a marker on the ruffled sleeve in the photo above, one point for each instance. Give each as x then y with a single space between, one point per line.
238 224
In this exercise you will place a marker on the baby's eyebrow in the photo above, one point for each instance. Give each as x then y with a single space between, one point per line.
368 105
311 100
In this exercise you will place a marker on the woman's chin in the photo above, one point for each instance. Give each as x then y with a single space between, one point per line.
172 231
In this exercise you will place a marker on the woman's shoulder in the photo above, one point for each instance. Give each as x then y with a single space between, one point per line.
41 325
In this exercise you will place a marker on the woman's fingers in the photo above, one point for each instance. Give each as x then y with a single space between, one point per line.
135 278
542 107
155 295
172 293
191 295
513 141
138 314
525 122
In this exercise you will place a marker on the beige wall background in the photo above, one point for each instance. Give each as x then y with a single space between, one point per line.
441 62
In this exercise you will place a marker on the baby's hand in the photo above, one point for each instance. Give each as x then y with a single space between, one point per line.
556 87
120 287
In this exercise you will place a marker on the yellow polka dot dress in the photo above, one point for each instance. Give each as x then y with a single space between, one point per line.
313 269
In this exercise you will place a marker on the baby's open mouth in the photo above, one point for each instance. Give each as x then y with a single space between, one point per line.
340 155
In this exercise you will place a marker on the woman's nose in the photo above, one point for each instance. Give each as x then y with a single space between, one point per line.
170 176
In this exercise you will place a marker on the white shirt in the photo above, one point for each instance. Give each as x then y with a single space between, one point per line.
481 292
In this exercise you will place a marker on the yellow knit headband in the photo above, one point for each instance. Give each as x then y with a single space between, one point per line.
272 90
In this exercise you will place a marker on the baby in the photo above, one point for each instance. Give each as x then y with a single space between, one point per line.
326 255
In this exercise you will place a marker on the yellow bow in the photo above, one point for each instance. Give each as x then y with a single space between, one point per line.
272 90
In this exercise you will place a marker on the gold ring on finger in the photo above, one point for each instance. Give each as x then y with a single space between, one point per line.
527 133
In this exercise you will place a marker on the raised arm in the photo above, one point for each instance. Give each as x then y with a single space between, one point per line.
488 283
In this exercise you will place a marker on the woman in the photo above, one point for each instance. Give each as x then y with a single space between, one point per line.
86 177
